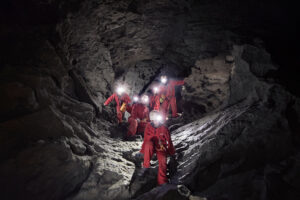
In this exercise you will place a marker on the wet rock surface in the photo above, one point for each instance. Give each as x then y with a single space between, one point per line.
238 137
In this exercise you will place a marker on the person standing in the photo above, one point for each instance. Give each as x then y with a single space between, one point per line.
154 103
167 97
157 140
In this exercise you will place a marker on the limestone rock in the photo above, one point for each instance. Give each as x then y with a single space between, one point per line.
259 60
207 87
238 137
77 147
16 100
192 197
167 191
48 171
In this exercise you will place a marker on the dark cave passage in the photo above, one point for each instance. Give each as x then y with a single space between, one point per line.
237 136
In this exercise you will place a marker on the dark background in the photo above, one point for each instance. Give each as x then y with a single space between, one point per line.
275 22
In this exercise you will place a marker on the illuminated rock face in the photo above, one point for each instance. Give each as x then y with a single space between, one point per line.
237 138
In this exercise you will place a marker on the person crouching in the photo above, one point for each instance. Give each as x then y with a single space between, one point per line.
139 116
122 102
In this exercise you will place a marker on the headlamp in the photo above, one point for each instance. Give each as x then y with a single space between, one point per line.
120 90
135 98
159 118
156 116
155 89
145 99
163 79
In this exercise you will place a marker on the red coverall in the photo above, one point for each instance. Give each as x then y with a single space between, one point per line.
124 99
154 100
139 111
157 140
169 91
154 103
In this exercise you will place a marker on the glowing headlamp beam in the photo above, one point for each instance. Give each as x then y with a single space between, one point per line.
155 89
145 99
163 79
120 89
135 98
158 118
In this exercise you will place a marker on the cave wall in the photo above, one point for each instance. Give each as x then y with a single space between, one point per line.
61 59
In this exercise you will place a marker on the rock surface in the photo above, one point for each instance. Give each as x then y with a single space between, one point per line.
238 137
244 149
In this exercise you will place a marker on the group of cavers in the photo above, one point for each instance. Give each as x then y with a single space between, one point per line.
148 115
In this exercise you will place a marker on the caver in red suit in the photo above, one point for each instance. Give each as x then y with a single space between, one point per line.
157 140
154 102
155 98
119 102
138 119
170 100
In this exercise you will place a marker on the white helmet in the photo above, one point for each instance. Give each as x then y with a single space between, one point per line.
156 116
145 99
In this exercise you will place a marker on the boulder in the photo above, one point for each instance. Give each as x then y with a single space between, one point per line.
16 100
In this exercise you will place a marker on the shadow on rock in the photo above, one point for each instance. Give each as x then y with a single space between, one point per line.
142 184
166 192
119 130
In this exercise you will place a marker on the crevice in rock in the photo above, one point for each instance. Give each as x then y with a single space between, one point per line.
83 92
152 78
